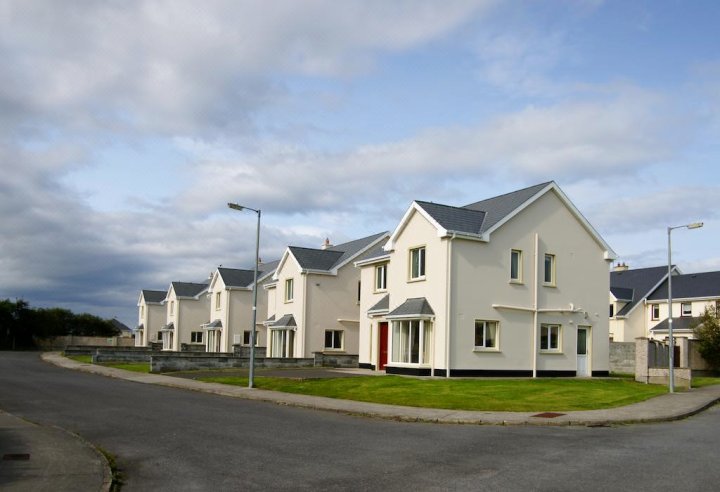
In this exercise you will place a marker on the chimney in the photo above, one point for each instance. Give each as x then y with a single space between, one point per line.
326 244
620 267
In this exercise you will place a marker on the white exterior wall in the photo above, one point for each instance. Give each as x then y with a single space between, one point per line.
332 304
296 307
152 316
419 232
189 316
368 344
698 308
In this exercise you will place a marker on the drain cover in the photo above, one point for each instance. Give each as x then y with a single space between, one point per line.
548 415
16 457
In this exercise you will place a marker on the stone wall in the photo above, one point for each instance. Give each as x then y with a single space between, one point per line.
62 343
244 351
329 359
139 354
622 357
183 361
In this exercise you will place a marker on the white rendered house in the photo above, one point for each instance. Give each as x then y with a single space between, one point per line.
230 307
187 307
515 285
151 317
313 299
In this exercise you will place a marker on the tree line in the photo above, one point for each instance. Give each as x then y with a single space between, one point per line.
21 324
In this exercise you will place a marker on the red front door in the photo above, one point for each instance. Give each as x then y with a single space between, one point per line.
382 362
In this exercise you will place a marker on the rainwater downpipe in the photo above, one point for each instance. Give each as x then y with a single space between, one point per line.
535 304
448 284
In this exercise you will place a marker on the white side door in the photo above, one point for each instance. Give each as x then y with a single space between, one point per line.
583 351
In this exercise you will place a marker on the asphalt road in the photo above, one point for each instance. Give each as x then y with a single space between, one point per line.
169 439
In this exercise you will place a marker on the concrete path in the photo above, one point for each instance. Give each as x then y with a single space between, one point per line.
662 408
41 458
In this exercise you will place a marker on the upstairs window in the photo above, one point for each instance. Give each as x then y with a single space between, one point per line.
516 265
549 270
289 290
217 300
381 278
612 310
417 263
172 308
686 309
655 312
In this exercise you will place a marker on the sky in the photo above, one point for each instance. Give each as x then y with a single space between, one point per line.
127 126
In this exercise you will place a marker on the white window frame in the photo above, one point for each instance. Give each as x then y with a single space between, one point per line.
381 278
289 290
417 256
218 300
552 271
401 353
653 315
612 310
172 308
550 327
337 336
682 309
486 326
518 278
248 333
196 337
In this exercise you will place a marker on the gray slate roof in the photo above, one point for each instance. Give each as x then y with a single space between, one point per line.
214 324
168 327
286 321
456 219
234 277
383 305
156 296
690 285
639 280
375 252
327 259
498 207
682 323
622 293
188 289
416 306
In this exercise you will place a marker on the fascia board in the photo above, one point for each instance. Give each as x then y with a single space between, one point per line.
373 261
411 316
306 271
414 207
216 275
287 254
270 285
465 235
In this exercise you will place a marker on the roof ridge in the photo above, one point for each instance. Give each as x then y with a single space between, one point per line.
538 185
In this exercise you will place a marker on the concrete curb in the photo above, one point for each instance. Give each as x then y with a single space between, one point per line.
662 408
44 445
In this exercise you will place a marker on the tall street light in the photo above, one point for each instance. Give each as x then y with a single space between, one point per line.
671 363
251 376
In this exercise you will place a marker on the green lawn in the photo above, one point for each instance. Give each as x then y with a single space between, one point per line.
519 395
704 381
128 366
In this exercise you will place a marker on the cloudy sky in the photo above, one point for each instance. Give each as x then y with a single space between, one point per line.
126 126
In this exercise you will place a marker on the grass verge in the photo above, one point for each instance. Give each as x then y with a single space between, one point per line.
128 366
704 381
517 395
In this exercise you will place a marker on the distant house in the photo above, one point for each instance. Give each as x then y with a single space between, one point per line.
187 306
313 299
629 290
231 302
124 330
514 285
151 317
692 293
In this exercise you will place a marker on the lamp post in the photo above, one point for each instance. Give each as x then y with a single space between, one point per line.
251 376
671 341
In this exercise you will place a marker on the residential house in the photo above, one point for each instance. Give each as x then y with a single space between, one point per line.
692 294
151 317
514 285
231 304
313 300
187 307
629 290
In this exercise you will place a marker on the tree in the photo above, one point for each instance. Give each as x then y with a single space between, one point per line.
707 331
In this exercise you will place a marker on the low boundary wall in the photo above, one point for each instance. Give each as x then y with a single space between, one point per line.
184 361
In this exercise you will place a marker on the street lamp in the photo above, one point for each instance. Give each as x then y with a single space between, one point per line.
251 376
671 363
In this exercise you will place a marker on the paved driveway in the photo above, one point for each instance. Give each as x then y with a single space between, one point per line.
169 439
